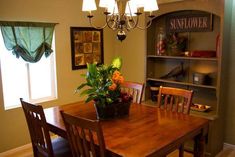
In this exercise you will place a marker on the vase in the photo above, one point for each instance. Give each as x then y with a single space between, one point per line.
113 110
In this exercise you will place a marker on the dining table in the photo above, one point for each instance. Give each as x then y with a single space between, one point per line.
147 131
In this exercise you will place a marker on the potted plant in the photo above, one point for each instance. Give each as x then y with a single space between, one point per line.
103 84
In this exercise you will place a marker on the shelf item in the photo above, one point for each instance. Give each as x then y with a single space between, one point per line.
161 42
201 78
204 53
200 107
211 114
154 93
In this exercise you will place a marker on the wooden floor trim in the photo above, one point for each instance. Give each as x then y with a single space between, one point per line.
16 150
227 145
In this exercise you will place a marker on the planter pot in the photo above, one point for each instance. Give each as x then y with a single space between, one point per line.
111 111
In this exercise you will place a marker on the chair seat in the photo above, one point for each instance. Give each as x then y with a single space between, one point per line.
61 147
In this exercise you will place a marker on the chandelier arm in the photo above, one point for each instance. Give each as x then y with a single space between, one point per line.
96 27
109 20
127 25
148 25
128 29
134 21
112 26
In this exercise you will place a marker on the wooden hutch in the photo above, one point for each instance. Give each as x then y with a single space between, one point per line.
200 58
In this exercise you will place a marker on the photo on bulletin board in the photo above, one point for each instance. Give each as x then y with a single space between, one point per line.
86 46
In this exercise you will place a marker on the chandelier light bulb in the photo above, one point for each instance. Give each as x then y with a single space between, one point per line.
151 6
131 9
106 3
113 9
88 5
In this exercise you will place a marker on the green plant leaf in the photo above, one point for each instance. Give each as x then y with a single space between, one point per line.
80 87
92 70
109 100
84 92
117 63
87 92
83 75
90 98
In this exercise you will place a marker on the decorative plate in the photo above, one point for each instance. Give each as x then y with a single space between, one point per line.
200 107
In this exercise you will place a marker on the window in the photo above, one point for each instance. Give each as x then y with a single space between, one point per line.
34 82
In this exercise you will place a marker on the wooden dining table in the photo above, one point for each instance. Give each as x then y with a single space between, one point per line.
147 131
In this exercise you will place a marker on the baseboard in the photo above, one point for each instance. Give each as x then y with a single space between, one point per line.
16 150
20 149
227 145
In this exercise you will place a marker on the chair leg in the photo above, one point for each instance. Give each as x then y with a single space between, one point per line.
181 150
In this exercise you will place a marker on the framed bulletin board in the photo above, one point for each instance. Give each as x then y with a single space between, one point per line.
86 46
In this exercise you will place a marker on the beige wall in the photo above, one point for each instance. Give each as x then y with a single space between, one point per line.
132 50
13 128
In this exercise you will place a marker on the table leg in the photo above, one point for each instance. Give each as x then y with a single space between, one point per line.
199 143
181 150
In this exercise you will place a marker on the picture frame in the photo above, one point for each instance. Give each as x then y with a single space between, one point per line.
86 46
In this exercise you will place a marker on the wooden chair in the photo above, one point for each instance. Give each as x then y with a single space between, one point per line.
135 89
42 144
175 100
81 137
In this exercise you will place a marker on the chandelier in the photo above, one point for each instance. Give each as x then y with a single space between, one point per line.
119 19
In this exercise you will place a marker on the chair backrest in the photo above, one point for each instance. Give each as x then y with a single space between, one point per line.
39 132
81 134
135 89
175 99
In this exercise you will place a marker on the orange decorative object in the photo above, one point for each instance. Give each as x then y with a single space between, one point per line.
113 87
117 77
203 53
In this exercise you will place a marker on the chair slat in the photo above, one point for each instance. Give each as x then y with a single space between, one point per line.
135 89
177 103
171 102
89 138
175 99
92 144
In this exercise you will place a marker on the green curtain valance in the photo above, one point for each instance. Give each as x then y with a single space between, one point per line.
29 40
26 24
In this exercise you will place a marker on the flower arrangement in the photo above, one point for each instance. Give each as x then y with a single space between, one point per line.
176 44
104 84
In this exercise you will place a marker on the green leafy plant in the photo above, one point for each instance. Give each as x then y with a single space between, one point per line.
103 83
